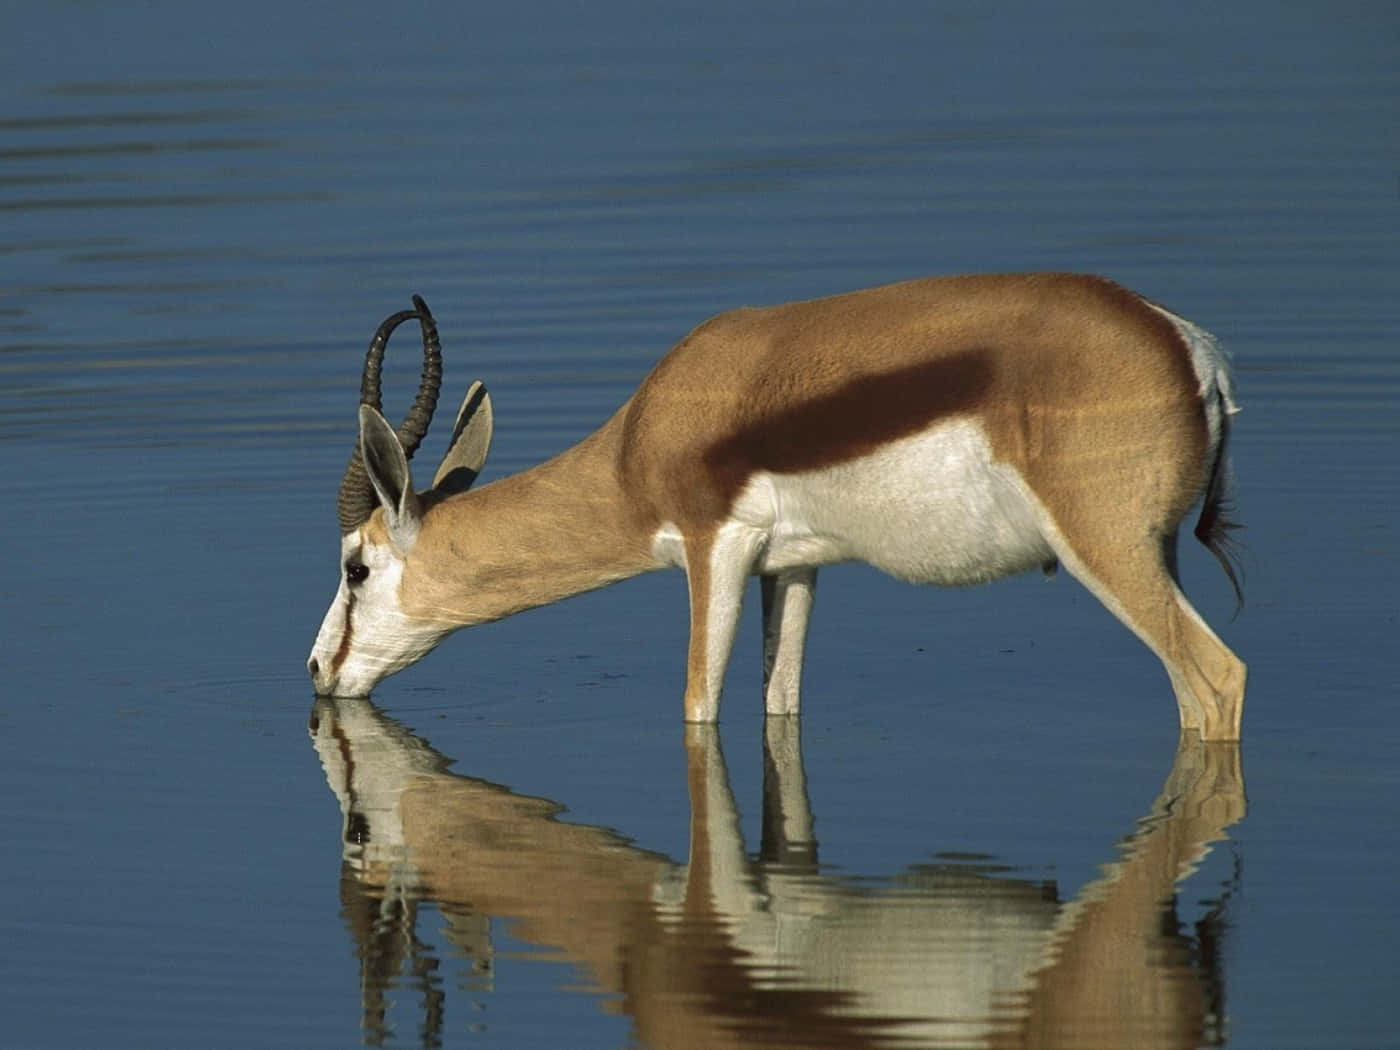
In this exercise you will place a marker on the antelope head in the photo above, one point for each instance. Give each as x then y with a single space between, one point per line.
366 634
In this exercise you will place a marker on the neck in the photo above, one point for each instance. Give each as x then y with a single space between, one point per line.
556 530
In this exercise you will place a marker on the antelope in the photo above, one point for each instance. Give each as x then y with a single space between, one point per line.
736 947
949 430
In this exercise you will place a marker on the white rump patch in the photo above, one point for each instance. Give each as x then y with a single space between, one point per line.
1209 361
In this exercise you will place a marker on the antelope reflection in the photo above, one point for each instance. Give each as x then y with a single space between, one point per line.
735 951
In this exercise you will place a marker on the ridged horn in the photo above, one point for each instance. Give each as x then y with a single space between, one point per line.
356 499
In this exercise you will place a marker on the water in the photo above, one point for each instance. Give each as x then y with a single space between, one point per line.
202 218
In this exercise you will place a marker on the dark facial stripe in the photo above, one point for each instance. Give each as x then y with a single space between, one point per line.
344 649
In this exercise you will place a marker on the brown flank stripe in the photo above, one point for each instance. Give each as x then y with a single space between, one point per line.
852 421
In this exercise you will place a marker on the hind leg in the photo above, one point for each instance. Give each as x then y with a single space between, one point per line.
1136 581
1225 671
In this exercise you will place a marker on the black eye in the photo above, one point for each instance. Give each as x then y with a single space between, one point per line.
356 572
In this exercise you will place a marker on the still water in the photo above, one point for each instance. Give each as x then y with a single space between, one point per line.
983 832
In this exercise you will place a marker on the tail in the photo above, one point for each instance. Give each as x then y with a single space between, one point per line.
1215 525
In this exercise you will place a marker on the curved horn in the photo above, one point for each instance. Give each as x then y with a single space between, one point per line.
415 424
356 498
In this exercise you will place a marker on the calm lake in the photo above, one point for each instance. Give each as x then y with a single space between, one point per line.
983 832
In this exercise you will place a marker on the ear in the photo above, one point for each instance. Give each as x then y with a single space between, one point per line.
470 441
387 467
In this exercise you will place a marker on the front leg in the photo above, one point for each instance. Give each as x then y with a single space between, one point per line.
716 568
787 606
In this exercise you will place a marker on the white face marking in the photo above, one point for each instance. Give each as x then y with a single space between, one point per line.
366 636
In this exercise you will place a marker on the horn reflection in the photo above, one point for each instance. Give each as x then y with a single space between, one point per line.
732 950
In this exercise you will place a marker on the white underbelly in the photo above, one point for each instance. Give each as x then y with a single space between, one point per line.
931 508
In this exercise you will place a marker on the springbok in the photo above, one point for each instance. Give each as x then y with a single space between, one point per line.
950 430
736 947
